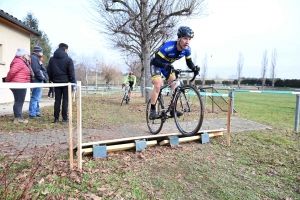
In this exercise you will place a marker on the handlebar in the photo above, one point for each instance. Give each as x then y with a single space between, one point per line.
179 71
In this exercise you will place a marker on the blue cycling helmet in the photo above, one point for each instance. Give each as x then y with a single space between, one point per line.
185 31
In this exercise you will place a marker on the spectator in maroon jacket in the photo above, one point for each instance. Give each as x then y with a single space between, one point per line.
19 72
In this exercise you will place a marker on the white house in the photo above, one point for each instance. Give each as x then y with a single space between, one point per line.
14 34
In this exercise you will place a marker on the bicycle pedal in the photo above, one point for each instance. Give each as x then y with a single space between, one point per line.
155 118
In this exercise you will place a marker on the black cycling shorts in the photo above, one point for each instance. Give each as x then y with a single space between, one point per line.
130 84
156 72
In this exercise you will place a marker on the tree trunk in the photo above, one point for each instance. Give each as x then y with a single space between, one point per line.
263 83
86 79
146 49
146 63
203 82
142 81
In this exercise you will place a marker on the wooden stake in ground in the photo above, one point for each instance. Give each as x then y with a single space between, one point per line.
70 124
228 121
79 126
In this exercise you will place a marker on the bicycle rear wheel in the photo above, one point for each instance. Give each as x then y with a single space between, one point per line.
154 125
188 102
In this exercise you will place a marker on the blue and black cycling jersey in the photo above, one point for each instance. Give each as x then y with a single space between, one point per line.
168 54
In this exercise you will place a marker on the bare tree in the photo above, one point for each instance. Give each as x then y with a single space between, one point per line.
264 66
273 67
240 64
81 73
85 64
139 27
96 68
111 73
204 69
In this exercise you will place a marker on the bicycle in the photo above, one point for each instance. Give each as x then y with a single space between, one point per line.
185 99
107 88
126 95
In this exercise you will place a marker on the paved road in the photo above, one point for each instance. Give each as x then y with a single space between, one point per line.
7 108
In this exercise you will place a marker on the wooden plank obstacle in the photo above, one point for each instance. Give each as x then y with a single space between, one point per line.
150 140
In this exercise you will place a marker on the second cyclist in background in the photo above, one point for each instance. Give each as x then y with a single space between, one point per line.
130 81
161 63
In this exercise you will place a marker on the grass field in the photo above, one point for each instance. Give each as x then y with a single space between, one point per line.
258 165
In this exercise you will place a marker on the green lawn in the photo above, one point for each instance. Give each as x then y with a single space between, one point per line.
258 165
271 109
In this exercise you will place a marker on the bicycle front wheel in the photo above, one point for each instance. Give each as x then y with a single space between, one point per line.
124 98
127 97
189 111
154 125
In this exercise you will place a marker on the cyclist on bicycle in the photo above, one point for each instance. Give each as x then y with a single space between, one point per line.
129 81
161 63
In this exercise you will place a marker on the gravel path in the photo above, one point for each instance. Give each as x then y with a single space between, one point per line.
59 139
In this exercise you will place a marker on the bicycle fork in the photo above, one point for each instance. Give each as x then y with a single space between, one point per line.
183 108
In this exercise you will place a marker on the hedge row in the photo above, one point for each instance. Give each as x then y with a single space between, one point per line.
294 83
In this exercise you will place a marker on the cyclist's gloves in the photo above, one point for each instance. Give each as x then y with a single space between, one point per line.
196 68
168 67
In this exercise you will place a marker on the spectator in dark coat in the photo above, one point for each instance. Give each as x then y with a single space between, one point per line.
40 76
61 70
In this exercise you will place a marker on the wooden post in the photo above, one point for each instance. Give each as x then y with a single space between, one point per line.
74 95
228 120
296 127
79 127
70 124
212 103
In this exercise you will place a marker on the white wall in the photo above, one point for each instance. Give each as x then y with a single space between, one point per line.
10 40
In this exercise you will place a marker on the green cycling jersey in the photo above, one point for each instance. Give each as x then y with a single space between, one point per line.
132 79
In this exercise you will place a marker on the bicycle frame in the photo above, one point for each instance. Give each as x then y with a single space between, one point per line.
179 83
127 90
126 95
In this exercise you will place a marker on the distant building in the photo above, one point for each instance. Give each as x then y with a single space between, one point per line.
14 34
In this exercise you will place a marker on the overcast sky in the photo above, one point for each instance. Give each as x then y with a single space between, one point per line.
232 26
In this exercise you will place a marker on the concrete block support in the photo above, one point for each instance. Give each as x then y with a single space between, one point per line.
140 145
204 138
174 141
99 151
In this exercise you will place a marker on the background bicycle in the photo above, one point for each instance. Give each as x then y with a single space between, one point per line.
185 99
